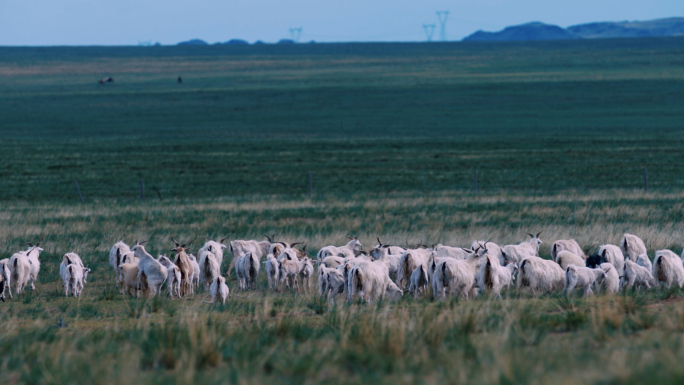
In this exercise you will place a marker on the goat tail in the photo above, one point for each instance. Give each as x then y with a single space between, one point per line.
445 274
522 276
357 282
253 266
405 269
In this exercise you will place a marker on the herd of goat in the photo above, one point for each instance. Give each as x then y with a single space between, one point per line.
387 271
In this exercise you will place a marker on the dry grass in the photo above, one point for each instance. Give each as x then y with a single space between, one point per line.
261 337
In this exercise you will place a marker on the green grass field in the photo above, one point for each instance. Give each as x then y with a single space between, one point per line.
559 133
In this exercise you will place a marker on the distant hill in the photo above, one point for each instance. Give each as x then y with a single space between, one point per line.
236 42
539 31
673 26
530 31
193 42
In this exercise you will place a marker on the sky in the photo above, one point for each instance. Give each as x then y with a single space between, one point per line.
131 22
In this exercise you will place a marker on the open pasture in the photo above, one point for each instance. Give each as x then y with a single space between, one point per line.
559 132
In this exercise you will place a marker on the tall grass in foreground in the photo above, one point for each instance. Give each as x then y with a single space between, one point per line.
261 338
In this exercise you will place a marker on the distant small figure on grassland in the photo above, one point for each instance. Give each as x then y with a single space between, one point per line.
106 80
180 80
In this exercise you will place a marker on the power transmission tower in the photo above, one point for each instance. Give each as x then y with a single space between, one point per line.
296 33
429 31
442 16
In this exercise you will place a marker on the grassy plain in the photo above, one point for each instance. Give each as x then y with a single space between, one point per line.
559 132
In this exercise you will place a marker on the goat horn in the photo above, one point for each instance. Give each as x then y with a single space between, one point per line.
174 241
531 236
466 250
223 239
188 244
296 243
379 243
29 243
269 238
539 233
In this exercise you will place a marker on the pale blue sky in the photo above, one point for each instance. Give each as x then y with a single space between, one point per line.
127 22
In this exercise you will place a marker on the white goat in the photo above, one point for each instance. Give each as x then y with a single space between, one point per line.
20 270
494 277
306 272
250 270
271 267
332 261
632 246
419 281
32 254
581 277
5 279
393 291
173 274
288 270
128 278
492 249
540 275
642 260
346 269
391 260
637 275
529 248
115 253
128 257
455 277
155 273
195 278
380 250
368 280
566 258
323 280
452 252
347 250
335 282
668 269
73 279
214 247
613 255
258 249
69 259
209 269
610 283
570 245
409 261
219 290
